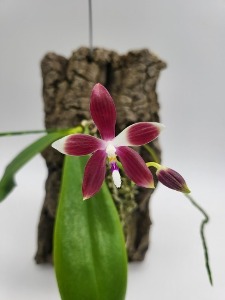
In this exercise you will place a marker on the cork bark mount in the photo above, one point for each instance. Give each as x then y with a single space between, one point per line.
131 80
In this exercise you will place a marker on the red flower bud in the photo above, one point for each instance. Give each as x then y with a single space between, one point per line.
172 180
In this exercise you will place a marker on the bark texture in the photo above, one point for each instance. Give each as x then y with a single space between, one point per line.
131 80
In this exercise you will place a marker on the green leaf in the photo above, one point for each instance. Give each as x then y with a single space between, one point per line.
89 249
7 182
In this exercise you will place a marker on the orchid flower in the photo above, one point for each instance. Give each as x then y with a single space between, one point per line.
103 113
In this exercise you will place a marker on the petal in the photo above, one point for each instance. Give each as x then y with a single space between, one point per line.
78 144
94 174
172 180
103 112
138 134
135 167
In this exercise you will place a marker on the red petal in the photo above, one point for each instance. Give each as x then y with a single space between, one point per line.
135 167
138 134
103 111
94 174
78 144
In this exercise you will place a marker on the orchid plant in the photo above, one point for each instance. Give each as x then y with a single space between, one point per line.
89 249
103 113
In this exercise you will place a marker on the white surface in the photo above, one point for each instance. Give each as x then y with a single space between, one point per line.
190 36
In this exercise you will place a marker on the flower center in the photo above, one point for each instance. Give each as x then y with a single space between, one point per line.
110 150
111 153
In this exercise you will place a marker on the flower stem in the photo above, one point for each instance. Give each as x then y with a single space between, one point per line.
152 152
202 227
153 164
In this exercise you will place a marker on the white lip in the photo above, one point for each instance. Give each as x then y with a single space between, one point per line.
116 178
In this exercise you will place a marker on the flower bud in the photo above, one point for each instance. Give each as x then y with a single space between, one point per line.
172 180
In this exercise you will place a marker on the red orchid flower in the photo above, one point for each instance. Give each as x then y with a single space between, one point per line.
103 113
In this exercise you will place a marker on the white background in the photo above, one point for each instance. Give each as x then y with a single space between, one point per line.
190 37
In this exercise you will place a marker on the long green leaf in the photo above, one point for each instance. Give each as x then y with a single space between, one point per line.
7 182
89 249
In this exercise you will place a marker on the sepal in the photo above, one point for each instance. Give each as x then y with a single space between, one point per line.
103 112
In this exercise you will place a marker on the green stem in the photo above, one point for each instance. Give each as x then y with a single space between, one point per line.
152 153
12 133
21 132
153 164
202 227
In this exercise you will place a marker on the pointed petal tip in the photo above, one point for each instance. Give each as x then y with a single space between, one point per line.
186 190
151 185
59 145
99 88
85 198
161 126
